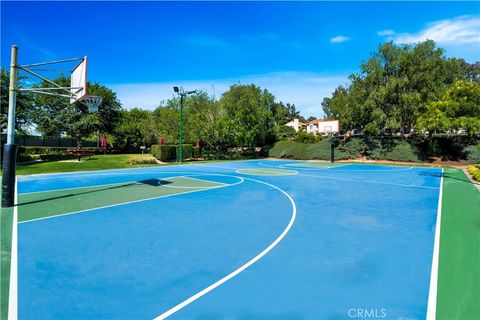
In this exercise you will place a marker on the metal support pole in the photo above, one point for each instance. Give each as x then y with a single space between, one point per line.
10 149
181 124
332 152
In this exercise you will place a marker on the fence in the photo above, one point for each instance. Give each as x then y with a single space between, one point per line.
39 141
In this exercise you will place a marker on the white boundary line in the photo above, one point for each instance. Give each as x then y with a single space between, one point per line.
199 179
348 179
370 181
135 201
432 294
13 284
268 172
297 165
243 267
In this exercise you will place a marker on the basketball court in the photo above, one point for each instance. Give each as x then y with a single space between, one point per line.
247 239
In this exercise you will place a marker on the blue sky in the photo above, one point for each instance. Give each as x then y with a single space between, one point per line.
298 51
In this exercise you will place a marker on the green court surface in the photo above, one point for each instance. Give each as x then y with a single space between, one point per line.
6 221
40 205
459 263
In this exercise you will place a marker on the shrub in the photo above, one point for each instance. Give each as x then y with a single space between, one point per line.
163 152
197 153
403 151
318 151
52 150
187 151
42 150
143 159
474 172
24 157
377 149
289 150
305 137
351 148
55 157
283 132
472 154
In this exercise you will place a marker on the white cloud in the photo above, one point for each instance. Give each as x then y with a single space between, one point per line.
387 32
459 30
305 90
339 39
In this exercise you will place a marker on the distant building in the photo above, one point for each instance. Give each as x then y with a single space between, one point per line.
296 124
323 127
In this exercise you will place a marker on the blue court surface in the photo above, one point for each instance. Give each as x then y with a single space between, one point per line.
259 239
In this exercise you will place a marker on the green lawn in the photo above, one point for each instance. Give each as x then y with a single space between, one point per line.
96 162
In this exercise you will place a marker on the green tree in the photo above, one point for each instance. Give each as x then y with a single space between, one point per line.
24 108
55 116
248 119
133 130
394 87
459 108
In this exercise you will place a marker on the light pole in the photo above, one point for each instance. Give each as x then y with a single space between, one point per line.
182 94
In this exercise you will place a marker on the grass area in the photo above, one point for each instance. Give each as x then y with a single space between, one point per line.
459 262
100 162
96 162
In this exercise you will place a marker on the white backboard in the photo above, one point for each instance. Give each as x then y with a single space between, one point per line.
78 80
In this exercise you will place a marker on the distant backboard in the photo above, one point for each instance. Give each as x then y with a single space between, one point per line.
78 80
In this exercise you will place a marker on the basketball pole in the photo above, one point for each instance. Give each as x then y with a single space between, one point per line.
10 149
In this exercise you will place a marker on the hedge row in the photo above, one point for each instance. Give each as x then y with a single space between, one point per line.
377 149
51 150
167 152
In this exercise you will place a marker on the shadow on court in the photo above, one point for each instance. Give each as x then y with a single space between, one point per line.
447 176
150 182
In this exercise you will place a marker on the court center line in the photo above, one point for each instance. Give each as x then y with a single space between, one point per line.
135 201
432 293
243 267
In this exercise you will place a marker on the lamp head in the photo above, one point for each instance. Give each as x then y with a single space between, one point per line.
176 89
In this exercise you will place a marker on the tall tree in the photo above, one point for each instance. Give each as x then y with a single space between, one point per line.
459 108
55 116
24 107
132 130
248 118
394 87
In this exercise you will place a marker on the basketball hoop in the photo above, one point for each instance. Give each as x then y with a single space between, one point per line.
92 102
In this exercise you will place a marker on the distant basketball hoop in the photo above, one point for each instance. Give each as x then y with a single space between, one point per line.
92 102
